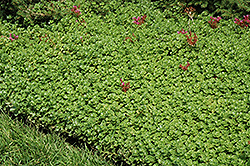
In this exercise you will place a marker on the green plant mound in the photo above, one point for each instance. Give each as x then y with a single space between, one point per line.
66 76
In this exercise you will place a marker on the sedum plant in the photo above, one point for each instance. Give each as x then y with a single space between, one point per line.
199 117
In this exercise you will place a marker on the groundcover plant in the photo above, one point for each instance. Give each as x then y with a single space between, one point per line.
186 95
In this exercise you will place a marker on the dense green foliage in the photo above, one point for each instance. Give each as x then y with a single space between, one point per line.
225 8
34 11
22 145
168 116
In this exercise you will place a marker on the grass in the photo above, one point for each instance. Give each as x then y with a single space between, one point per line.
21 144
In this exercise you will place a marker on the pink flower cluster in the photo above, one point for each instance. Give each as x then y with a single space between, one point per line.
15 37
76 10
214 21
182 31
191 40
124 87
185 67
243 23
130 38
139 20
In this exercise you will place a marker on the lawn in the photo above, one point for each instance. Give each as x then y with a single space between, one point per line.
21 144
